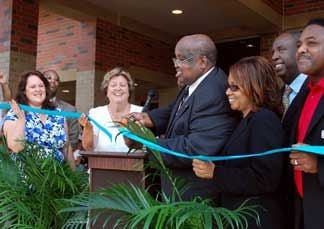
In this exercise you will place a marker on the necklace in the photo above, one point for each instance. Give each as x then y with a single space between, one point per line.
118 116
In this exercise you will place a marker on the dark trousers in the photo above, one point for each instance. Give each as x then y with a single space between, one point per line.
299 214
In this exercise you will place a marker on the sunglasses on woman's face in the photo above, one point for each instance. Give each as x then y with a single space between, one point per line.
233 87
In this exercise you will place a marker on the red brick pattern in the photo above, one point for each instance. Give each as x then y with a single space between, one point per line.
59 42
5 22
64 44
293 7
116 46
87 46
24 26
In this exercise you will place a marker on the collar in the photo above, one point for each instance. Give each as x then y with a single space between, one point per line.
318 85
193 86
298 82
53 100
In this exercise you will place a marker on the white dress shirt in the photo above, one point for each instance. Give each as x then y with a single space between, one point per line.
193 86
296 86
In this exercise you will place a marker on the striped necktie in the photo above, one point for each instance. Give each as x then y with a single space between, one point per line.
184 97
285 97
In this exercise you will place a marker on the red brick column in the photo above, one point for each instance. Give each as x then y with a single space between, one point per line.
68 45
86 77
18 37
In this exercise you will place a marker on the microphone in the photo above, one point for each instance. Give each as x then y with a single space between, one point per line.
150 95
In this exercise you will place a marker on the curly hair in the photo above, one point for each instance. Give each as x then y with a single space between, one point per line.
21 91
258 80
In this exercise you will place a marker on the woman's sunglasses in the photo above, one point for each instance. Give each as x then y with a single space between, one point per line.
233 87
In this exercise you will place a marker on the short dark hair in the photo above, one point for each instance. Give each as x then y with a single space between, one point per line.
51 71
315 21
21 95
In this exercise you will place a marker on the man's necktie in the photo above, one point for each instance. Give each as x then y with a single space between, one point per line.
298 178
285 97
184 97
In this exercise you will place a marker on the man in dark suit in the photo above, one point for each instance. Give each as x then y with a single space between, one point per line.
307 127
73 124
199 121
284 50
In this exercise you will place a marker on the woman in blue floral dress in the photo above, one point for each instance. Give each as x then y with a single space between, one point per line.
47 131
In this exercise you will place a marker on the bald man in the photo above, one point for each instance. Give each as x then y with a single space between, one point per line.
199 121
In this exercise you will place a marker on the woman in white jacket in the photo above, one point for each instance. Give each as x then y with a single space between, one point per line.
118 87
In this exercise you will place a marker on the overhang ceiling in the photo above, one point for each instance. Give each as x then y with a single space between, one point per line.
200 16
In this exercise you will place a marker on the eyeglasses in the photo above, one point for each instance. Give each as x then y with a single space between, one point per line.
233 87
178 62
52 78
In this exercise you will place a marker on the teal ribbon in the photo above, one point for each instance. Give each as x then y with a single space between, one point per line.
66 114
318 150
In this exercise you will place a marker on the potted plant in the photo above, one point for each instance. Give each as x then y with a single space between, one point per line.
130 206
32 188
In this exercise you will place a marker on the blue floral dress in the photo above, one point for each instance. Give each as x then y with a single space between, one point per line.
50 135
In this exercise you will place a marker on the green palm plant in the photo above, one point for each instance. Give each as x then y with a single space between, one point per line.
32 188
130 206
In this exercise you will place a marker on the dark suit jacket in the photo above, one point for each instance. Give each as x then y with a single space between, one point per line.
201 126
256 178
74 128
288 184
313 184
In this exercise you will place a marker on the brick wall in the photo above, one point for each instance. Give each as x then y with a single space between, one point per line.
5 22
86 46
18 38
24 26
58 41
116 46
293 7
64 44
18 30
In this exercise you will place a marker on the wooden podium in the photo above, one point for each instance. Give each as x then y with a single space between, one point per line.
108 168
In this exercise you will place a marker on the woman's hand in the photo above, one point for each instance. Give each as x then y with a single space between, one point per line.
84 121
203 169
15 130
87 133
17 111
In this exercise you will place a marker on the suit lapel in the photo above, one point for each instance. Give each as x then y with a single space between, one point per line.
318 114
240 129
174 111
175 115
297 104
